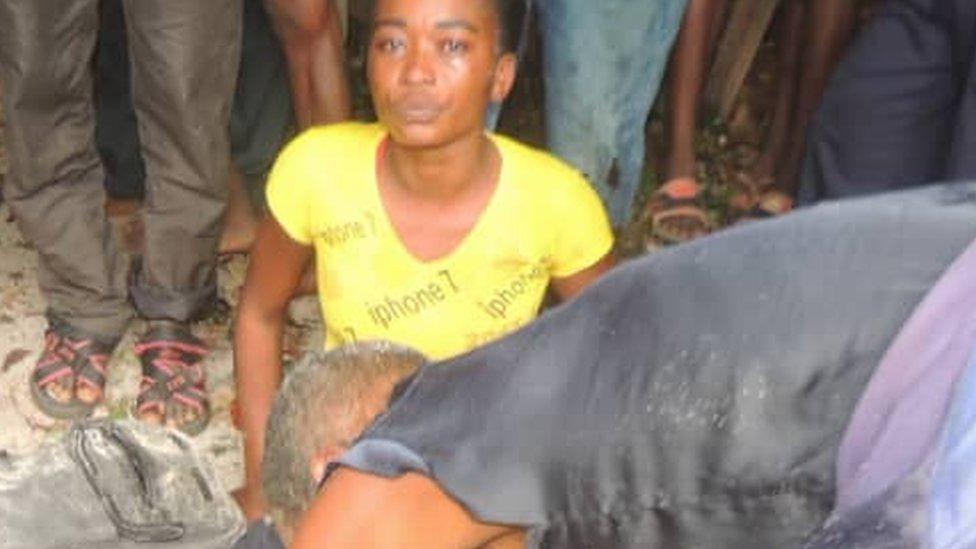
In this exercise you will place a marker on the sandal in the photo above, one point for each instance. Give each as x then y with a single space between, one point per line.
173 381
69 359
771 203
676 212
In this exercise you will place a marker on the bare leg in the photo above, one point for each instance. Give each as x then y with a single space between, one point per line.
828 28
689 66
332 98
676 215
311 34
787 57
240 223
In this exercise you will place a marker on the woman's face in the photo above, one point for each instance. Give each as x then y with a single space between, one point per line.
434 67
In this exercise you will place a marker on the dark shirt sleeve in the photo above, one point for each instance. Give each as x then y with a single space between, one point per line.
692 398
260 534
385 458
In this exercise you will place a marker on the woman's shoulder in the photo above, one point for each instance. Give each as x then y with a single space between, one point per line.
548 189
332 150
336 157
537 167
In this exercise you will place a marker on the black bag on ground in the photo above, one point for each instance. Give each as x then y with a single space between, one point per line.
111 484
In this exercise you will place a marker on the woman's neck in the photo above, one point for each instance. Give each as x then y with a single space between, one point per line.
442 173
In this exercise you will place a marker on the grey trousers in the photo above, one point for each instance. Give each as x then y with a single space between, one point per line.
184 63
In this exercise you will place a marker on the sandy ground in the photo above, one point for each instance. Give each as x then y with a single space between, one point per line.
23 427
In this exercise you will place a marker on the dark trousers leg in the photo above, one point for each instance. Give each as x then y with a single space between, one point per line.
185 55
115 127
55 181
261 113
888 115
961 164
262 118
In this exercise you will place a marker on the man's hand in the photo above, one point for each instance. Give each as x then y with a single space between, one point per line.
251 502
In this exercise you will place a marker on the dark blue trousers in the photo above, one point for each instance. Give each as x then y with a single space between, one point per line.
900 110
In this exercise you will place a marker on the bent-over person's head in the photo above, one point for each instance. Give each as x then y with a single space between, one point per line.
323 405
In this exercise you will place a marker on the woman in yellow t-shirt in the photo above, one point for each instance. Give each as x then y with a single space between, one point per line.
424 229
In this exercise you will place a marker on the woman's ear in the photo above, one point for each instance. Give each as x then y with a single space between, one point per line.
504 77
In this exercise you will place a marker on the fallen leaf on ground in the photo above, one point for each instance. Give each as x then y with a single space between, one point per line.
13 357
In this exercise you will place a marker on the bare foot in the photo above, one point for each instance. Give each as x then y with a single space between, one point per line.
61 390
238 234
87 394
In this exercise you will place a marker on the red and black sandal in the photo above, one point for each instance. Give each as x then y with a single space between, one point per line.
173 380
676 212
70 359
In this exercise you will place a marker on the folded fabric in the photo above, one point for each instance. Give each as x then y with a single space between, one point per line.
899 417
952 516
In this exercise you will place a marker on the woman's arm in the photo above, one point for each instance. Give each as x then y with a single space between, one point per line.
567 287
276 266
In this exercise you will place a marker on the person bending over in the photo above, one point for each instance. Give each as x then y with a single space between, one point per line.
608 424
425 229
325 402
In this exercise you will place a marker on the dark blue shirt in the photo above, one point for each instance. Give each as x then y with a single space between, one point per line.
694 398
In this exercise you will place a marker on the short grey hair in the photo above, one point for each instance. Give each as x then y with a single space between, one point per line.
317 399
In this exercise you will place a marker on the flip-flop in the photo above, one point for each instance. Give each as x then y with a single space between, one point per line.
771 203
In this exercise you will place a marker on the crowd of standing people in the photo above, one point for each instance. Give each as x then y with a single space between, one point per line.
228 127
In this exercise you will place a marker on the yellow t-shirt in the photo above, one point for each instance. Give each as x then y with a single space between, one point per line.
542 221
